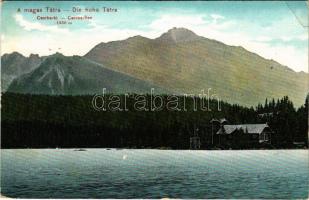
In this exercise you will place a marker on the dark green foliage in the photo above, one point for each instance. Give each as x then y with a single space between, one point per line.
70 121
290 124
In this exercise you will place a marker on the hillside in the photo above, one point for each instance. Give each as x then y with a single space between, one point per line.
182 61
61 75
14 65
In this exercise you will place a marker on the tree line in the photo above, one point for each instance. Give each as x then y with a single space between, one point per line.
43 121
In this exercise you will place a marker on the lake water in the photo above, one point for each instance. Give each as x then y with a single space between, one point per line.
102 173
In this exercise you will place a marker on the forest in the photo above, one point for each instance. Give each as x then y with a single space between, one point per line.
44 121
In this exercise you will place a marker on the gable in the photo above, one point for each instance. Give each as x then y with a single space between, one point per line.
247 128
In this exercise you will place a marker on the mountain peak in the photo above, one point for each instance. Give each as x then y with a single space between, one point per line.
34 56
14 54
58 54
178 35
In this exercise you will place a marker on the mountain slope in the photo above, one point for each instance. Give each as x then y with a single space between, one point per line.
75 75
14 65
181 61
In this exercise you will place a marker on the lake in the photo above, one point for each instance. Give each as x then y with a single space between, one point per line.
103 173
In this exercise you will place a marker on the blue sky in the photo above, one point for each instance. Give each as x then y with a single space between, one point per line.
274 30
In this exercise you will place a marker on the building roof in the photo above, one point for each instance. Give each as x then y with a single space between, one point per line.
221 121
247 128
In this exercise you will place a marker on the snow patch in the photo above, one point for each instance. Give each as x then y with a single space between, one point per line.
45 74
60 74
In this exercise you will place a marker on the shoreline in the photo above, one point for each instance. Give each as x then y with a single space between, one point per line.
119 149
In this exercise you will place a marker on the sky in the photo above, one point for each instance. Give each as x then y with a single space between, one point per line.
276 30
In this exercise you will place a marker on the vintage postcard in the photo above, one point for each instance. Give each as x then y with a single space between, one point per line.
154 99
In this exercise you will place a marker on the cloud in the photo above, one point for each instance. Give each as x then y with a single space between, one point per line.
252 36
216 17
303 37
288 55
82 42
263 39
29 26
166 22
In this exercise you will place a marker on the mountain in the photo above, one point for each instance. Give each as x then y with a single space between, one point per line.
61 75
15 64
183 62
178 35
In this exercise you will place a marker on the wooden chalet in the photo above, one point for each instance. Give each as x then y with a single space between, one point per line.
244 135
